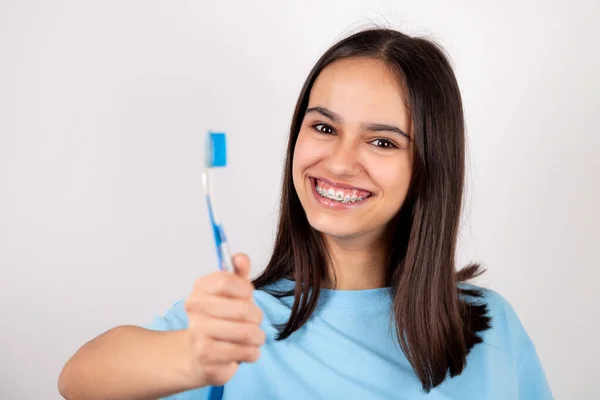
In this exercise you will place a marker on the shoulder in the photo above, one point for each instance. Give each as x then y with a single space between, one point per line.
173 318
275 301
506 326
509 336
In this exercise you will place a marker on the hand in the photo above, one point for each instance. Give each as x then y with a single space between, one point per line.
224 324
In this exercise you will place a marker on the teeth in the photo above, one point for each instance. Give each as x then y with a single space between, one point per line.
339 195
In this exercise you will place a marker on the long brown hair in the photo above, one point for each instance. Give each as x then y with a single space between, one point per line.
436 327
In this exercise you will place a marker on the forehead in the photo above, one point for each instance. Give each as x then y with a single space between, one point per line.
361 89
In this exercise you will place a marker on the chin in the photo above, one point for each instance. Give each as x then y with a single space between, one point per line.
334 227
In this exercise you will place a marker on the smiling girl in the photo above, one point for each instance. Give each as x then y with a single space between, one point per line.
361 298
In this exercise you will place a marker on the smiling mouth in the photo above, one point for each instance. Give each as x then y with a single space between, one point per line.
345 195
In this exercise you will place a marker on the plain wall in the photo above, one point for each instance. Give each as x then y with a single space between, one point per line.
103 111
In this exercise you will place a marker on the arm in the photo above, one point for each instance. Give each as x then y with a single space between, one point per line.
532 377
129 362
533 384
198 343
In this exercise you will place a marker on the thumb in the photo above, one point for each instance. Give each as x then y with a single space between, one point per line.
241 263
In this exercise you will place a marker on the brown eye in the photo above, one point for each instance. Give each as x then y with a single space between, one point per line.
324 129
383 144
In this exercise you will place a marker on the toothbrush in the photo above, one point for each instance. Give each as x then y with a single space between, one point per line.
216 156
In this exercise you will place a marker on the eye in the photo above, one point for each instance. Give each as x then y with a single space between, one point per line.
324 129
384 144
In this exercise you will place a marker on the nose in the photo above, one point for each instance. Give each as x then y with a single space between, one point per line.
343 159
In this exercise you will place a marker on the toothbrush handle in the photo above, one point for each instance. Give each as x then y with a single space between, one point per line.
224 252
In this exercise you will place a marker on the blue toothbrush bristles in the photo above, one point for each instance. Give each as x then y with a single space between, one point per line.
216 150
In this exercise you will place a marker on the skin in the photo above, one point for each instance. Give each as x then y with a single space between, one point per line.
357 132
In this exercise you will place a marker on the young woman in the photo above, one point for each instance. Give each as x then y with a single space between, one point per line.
361 298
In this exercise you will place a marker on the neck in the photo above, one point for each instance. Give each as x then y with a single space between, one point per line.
356 264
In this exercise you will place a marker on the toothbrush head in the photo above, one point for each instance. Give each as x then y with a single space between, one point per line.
216 150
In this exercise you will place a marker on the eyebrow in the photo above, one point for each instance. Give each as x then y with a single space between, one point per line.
366 126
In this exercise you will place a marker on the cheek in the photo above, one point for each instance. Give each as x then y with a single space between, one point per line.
306 154
299 162
394 180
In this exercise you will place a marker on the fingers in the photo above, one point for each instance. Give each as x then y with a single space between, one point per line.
232 309
215 351
241 263
224 322
222 283
242 333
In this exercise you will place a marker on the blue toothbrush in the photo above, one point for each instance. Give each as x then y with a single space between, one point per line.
215 157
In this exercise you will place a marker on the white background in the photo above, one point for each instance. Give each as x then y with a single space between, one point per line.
103 111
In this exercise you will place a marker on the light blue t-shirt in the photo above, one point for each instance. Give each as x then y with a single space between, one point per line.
347 351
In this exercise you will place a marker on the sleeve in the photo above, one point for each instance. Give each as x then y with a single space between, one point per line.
532 381
533 384
173 319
